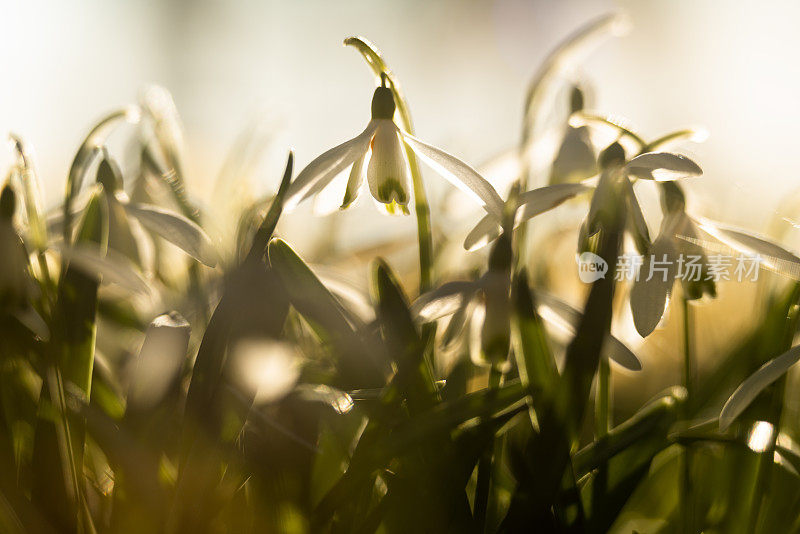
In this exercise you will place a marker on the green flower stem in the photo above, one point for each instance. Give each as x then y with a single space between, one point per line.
484 479
421 206
688 381
603 399
766 460
670 137
687 500
624 131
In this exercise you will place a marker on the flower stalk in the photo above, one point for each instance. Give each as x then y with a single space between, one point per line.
687 498
422 209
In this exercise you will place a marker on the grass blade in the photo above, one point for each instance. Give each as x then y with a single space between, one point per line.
755 384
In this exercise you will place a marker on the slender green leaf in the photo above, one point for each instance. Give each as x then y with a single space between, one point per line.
755 384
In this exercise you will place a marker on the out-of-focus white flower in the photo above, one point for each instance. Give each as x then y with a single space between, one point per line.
462 301
656 166
380 148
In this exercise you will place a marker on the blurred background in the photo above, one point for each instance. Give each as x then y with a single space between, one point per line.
464 66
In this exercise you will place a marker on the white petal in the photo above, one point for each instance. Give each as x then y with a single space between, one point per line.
475 333
329 198
484 233
322 170
177 229
388 174
772 255
459 174
649 298
354 182
636 215
537 201
531 204
755 384
444 300
662 167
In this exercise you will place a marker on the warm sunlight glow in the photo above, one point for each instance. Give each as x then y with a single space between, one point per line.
760 436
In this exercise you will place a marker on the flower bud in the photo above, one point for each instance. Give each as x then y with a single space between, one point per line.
383 105
576 100
613 155
672 198
108 174
8 202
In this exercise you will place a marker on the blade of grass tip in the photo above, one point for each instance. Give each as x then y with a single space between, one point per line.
72 347
422 209
253 304
211 354
267 227
414 374
86 153
358 365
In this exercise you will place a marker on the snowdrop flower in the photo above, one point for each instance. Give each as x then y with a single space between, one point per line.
676 243
464 303
576 159
171 226
654 166
380 148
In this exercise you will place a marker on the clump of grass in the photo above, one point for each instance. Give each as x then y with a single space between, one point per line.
275 396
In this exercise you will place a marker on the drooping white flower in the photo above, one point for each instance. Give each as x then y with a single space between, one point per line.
380 148
654 166
462 301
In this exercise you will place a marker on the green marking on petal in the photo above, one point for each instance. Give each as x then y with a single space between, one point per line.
392 189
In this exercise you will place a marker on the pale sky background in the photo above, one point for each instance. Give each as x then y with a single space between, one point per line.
731 67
